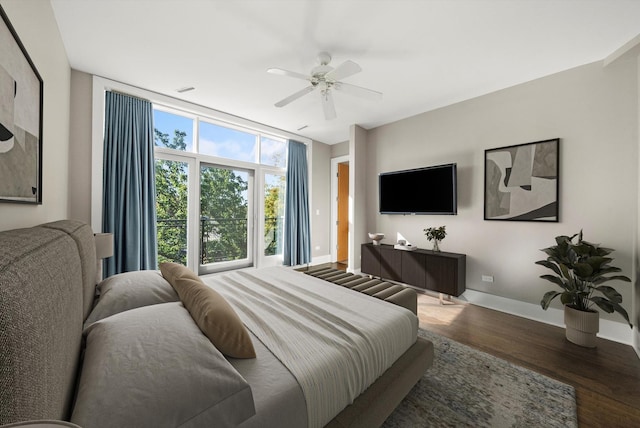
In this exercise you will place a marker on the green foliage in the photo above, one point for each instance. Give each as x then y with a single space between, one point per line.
435 233
580 268
223 215
223 208
171 202
273 216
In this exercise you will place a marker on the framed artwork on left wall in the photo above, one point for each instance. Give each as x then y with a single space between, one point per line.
21 95
521 182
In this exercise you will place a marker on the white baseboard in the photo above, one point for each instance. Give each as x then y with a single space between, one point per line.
321 259
611 330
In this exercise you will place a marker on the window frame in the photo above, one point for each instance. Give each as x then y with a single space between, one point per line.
99 87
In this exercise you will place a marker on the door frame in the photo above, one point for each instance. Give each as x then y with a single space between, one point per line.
250 260
333 242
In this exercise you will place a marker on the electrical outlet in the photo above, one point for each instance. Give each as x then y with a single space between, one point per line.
487 278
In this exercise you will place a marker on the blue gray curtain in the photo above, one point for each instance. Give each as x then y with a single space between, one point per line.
297 234
128 200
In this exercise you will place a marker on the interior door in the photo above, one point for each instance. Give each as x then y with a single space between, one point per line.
343 212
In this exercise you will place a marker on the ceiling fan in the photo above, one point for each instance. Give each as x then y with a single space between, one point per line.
326 79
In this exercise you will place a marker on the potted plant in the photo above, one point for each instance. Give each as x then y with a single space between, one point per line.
580 269
435 234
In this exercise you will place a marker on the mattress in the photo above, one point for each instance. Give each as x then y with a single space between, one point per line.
330 341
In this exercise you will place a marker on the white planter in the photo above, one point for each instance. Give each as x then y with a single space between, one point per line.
581 327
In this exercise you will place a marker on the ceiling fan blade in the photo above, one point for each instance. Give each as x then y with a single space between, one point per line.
328 106
295 96
281 72
358 91
346 69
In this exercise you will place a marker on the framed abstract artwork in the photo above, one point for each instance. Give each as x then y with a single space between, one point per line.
521 182
21 91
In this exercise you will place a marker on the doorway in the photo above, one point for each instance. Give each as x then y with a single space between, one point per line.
340 210
343 213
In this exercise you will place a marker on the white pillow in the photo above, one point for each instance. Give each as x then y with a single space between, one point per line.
153 367
131 290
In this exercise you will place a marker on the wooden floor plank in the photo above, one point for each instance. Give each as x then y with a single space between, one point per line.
606 378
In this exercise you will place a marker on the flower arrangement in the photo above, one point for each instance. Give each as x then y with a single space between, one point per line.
435 234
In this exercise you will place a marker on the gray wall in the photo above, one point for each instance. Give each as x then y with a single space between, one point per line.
80 147
37 29
594 110
320 200
340 149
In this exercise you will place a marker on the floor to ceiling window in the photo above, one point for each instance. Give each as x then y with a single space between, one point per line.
211 216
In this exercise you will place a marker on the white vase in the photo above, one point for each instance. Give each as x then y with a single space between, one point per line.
581 326
436 246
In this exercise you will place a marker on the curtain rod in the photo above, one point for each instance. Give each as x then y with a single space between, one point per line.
116 91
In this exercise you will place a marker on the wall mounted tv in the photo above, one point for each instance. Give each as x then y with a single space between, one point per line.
430 190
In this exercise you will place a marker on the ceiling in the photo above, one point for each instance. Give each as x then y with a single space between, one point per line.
421 54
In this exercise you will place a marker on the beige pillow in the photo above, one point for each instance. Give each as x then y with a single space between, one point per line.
211 312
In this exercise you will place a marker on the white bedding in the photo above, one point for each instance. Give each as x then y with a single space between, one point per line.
336 342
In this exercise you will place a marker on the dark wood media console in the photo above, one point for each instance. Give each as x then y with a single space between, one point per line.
436 271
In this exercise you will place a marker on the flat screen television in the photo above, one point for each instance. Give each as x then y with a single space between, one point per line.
430 190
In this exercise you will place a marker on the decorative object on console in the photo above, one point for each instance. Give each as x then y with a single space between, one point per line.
580 270
435 234
403 244
104 250
376 237
20 120
521 182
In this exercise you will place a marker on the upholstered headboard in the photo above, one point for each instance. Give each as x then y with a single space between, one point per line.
47 282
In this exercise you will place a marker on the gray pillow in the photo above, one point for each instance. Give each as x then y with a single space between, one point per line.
153 367
131 290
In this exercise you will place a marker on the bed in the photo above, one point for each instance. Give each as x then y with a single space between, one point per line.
138 354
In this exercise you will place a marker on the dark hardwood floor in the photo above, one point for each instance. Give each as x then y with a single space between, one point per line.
606 378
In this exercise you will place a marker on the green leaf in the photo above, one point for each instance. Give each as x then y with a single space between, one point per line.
555 280
603 303
583 249
610 293
619 309
568 298
548 264
597 262
604 251
603 279
565 270
609 269
563 240
547 298
583 270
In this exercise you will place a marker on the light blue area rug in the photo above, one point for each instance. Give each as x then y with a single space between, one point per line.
469 388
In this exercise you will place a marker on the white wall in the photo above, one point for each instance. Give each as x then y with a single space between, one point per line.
36 27
593 110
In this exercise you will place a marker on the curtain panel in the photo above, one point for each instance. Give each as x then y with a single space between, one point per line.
129 184
297 234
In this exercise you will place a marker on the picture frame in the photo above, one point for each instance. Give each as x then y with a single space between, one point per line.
521 182
21 105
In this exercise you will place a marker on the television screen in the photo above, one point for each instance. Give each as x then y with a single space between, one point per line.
430 190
